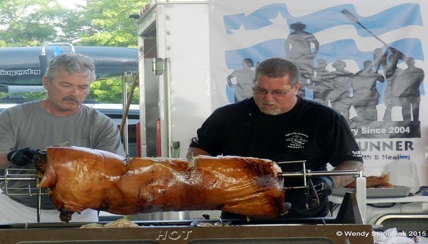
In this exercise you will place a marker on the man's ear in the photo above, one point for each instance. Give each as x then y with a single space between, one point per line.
296 88
45 82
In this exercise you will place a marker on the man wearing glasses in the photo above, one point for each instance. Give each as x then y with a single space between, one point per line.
277 124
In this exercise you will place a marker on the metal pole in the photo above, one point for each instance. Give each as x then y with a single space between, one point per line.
126 78
167 87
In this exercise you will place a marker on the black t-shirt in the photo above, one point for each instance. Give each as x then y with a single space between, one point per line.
310 131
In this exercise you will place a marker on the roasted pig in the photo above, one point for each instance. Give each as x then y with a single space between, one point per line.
81 178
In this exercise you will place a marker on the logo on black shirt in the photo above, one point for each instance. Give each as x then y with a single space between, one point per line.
296 140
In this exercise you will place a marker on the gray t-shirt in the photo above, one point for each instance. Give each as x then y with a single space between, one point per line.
29 125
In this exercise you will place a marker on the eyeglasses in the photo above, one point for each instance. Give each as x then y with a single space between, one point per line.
262 92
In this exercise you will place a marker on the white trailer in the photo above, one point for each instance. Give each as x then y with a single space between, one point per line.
174 80
175 75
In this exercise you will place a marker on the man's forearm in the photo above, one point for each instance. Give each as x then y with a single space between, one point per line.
341 181
194 151
4 163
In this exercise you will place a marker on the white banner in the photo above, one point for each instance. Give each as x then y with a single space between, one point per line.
365 59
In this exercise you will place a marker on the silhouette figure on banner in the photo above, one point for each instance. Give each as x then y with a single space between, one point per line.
322 82
394 77
407 90
365 95
340 96
244 78
301 47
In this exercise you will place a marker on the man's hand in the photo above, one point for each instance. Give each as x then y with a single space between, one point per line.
324 186
22 157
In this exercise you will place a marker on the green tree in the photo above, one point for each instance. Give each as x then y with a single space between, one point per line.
99 23
110 24
31 22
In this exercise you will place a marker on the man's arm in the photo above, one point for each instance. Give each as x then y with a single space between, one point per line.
4 163
229 78
341 181
193 152
20 157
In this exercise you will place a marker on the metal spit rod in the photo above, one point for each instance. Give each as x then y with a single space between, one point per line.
309 173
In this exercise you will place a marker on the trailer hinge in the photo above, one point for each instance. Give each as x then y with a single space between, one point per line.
157 66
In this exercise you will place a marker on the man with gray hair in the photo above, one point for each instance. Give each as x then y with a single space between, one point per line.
59 119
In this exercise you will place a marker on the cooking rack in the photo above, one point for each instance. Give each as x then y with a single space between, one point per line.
16 174
306 174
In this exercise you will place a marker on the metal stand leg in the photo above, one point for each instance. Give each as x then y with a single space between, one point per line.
361 195
39 201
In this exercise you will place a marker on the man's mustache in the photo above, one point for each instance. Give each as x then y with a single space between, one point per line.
69 98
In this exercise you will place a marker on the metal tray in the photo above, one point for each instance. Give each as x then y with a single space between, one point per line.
396 191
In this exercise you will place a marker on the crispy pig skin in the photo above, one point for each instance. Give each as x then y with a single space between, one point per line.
81 178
